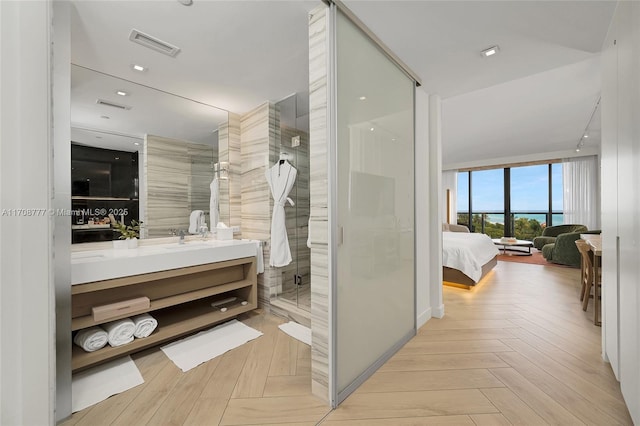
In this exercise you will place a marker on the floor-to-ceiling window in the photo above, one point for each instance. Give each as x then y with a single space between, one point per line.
518 201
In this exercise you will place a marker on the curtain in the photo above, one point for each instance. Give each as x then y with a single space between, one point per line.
450 182
580 184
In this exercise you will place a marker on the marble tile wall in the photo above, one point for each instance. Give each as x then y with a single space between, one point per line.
223 157
235 171
318 229
229 155
259 130
178 175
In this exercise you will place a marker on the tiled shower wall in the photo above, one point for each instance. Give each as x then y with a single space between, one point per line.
259 131
319 217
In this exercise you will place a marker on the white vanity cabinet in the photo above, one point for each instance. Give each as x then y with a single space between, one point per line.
180 299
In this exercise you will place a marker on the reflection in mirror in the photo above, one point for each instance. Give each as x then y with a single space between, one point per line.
140 154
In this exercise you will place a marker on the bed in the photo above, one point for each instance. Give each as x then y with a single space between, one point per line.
467 258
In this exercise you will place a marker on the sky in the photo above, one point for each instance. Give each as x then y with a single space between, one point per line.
529 189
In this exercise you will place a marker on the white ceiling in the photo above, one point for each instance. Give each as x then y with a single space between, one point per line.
537 94
540 113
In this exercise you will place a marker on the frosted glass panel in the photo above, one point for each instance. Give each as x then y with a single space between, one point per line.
375 186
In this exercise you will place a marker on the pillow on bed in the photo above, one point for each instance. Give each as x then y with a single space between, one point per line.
458 228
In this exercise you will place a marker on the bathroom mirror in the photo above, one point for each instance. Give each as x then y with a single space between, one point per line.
169 145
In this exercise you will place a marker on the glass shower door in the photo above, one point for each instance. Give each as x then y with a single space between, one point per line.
293 146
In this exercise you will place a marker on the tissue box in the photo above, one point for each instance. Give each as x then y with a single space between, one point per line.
224 233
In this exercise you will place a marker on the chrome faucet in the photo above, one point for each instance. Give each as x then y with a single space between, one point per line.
181 235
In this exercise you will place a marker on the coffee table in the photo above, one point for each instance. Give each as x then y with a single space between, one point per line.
518 243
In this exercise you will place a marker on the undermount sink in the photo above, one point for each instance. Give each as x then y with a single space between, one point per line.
192 244
87 255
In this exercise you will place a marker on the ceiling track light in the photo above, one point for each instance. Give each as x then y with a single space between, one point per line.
585 134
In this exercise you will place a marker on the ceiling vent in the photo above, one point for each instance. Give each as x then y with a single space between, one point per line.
112 104
153 43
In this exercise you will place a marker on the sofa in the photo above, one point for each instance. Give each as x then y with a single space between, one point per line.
564 250
550 233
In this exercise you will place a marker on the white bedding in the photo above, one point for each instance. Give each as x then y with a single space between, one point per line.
467 252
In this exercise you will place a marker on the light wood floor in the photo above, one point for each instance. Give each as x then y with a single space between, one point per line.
516 350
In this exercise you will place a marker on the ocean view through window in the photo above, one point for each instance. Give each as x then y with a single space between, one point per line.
511 202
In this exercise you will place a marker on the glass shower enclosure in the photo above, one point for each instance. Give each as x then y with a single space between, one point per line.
293 291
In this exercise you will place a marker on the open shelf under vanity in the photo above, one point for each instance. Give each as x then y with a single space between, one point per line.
180 300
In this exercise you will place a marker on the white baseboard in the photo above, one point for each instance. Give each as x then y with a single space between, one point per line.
423 318
438 312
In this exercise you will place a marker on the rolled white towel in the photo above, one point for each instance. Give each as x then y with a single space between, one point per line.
145 324
91 339
120 332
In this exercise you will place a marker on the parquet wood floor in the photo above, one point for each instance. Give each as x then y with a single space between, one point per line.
518 349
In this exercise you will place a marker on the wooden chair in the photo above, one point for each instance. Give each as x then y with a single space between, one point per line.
587 272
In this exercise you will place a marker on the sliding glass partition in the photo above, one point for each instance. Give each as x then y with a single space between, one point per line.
374 289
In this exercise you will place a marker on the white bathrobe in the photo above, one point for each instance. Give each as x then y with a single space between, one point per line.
281 178
214 211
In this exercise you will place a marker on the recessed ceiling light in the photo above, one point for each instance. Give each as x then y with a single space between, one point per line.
490 51
117 158
362 98
586 136
138 67
186 2
372 129
121 93
106 117
136 143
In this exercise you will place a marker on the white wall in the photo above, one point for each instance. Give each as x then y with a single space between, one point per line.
620 179
27 325
423 213
435 203
62 200
450 182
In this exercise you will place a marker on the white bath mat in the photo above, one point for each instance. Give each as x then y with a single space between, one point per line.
98 383
297 331
194 350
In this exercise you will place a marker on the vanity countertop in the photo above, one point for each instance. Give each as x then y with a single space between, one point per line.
104 264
